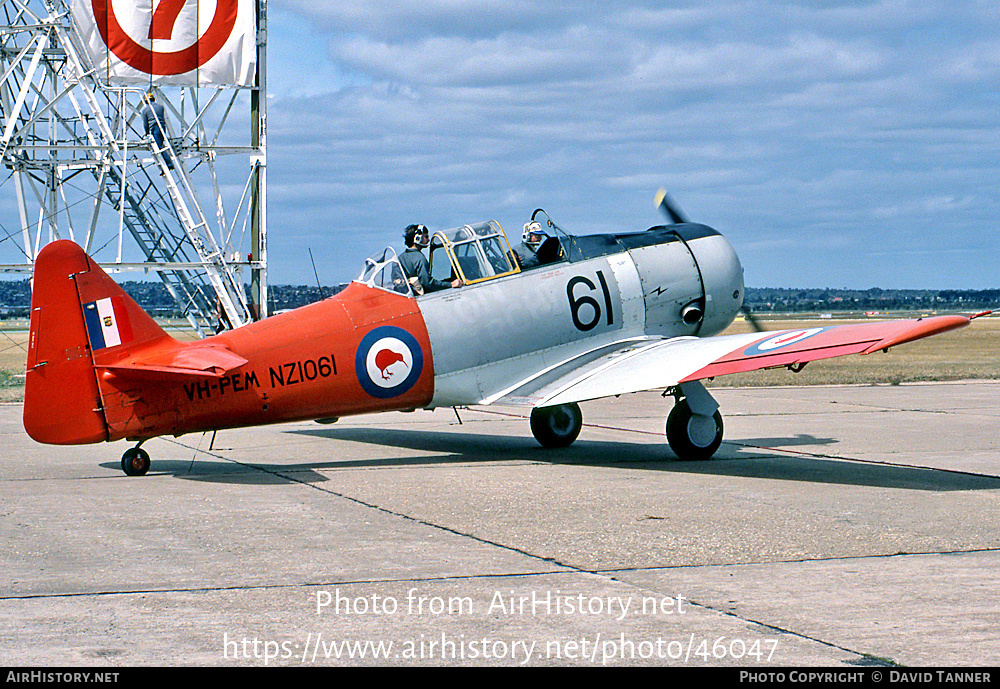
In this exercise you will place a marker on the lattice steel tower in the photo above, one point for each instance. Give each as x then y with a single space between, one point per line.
81 166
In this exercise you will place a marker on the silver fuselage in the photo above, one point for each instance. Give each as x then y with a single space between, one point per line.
489 336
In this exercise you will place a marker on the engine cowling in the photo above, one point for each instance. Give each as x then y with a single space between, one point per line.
722 280
692 281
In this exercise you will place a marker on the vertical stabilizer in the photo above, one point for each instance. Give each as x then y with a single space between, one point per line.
79 317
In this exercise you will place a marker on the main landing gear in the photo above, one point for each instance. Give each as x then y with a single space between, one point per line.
556 426
135 461
694 426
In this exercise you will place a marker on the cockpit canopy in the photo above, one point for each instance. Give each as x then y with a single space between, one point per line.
383 270
480 252
472 253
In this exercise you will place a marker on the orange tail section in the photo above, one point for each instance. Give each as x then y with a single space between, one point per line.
79 317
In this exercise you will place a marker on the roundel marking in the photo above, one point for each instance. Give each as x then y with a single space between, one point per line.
781 341
145 60
388 362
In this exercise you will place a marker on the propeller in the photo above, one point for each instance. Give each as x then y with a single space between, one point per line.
664 201
667 205
752 320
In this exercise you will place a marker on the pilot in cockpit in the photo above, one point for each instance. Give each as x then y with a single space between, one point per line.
527 251
415 264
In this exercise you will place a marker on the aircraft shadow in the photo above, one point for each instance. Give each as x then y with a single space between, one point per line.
800 440
221 471
747 458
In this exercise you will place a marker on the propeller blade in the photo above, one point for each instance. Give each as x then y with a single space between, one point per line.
664 201
754 323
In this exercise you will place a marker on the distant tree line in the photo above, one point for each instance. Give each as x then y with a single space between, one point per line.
15 298
787 300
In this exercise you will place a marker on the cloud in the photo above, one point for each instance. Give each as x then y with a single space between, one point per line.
407 20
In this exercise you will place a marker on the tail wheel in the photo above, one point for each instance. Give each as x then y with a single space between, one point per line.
556 426
693 436
135 462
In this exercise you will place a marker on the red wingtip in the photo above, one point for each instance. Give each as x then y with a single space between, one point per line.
915 330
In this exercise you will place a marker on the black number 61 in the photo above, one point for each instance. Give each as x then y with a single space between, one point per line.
576 302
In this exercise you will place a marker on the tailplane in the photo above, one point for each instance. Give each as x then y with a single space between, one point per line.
80 318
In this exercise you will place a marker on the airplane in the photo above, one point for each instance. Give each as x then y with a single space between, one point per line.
601 315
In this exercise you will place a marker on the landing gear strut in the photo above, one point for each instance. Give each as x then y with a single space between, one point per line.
556 426
135 461
694 426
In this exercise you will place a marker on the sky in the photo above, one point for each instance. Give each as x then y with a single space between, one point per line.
835 144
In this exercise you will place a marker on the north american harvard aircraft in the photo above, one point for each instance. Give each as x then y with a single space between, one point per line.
602 315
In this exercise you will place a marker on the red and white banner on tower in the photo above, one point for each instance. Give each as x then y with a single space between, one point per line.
186 42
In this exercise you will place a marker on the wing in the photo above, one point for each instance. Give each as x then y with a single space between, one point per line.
653 364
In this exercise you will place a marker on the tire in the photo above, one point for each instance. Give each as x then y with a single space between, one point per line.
556 426
135 462
690 436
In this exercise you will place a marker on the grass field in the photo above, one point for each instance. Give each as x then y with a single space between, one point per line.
969 353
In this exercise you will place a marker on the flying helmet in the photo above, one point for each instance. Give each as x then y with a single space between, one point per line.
413 231
533 229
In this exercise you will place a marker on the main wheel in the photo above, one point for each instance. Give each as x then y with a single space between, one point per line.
135 462
692 436
556 426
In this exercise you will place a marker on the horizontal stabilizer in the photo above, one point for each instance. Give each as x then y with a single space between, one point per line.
190 361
